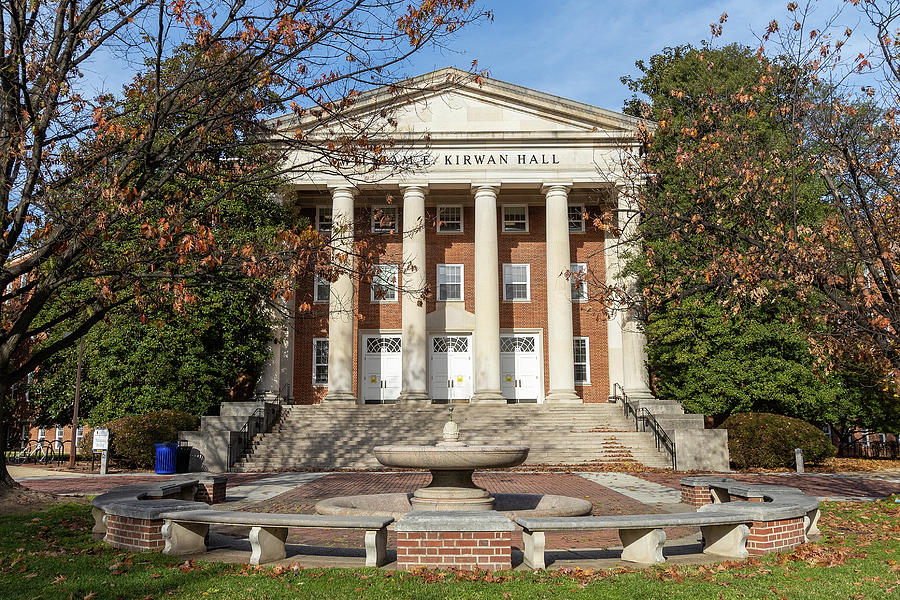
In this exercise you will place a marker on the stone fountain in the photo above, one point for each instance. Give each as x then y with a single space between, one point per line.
452 463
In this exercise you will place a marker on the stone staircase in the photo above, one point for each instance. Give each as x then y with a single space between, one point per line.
327 436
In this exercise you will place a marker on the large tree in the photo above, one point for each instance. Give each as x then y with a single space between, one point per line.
102 193
765 234
713 360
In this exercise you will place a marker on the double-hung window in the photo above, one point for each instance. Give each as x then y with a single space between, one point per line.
450 219
516 282
385 283
323 219
384 219
320 361
578 279
449 282
322 294
576 218
582 372
515 219
60 432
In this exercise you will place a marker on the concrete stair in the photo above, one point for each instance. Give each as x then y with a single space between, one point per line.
328 436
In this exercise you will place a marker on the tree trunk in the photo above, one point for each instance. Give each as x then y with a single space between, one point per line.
6 480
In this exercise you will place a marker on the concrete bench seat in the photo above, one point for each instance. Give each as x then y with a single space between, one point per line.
724 533
184 532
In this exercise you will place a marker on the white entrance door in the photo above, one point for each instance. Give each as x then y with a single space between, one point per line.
451 368
382 368
520 367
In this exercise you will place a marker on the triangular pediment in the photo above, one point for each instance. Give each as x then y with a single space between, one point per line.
452 102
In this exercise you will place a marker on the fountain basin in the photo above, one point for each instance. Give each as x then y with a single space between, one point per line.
511 505
447 457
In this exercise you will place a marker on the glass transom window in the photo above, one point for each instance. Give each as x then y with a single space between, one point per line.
576 218
449 282
515 218
384 219
578 279
320 361
516 282
582 373
385 283
449 219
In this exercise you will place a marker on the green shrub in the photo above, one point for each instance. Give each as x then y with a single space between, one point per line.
132 438
763 440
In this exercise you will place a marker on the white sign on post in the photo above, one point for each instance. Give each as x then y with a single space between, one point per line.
101 440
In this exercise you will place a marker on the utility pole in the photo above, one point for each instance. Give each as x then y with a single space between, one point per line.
74 438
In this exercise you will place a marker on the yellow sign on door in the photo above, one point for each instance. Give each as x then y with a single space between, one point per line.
459 378
374 378
509 379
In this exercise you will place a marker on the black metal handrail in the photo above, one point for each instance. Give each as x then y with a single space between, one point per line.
644 419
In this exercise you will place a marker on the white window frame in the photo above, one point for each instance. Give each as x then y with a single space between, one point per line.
42 433
462 282
60 433
587 360
395 285
504 219
315 342
527 282
581 209
580 268
462 218
79 433
319 210
377 227
321 282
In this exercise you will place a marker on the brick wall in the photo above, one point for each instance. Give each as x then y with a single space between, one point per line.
588 247
134 534
773 536
485 550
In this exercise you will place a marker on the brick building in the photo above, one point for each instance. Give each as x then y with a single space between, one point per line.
491 216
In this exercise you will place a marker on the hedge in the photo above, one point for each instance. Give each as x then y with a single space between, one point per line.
767 441
132 438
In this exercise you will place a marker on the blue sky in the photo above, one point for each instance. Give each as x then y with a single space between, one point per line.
578 49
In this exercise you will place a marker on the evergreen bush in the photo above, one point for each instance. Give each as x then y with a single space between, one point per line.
767 441
132 438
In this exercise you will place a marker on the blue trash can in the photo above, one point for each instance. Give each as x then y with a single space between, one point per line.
165 458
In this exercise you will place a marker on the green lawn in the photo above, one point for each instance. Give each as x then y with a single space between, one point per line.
50 555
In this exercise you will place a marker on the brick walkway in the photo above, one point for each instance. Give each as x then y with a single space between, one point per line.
835 486
99 485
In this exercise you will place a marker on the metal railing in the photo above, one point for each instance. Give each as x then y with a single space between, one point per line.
238 449
644 421
859 449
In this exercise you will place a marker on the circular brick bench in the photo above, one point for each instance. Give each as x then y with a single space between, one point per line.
168 517
736 520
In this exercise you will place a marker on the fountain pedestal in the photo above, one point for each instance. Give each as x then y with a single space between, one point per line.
452 490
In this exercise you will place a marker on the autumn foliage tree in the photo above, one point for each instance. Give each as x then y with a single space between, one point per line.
125 194
805 208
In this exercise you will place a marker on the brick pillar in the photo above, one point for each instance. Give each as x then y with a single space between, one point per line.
211 489
461 539
774 536
129 533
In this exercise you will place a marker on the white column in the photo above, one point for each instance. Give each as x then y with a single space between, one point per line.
341 309
414 344
634 354
559 298
486 354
